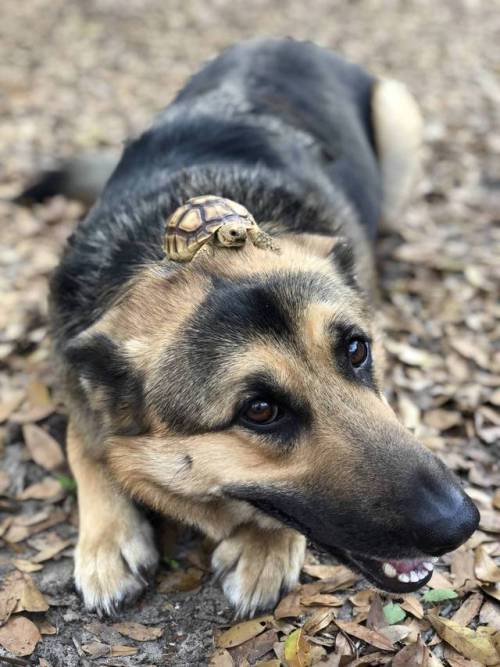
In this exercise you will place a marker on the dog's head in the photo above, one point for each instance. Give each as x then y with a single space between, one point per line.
256 378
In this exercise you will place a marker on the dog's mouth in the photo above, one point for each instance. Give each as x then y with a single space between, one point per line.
403 575
394 575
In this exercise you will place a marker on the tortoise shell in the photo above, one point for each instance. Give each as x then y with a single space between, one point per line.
196 222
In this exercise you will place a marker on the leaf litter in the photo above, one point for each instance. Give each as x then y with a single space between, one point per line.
439 306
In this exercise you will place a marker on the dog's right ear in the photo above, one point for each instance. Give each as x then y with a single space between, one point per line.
112 386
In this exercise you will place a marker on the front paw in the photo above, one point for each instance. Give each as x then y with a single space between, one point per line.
258 566
112 565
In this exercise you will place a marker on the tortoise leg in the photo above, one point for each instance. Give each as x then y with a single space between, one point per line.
263 240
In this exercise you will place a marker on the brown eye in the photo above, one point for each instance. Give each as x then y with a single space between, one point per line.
358 352
261 412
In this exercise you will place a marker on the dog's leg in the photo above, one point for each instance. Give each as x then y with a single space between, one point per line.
258 565
397 126
115 548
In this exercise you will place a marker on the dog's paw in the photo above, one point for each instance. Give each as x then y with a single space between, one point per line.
257 566
112 565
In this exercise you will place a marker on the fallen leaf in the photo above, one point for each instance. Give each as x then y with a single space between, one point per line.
289 606
369 636
181 581
19 636
52 550
414 655
318 621
9 404
490 521
331 572
254 648
137 631
442 420
4 482
44 490
469 610
242 632
221 658
412 605
438 580
370 659
321 599
469 643
121 650
268 663
297 650
46 628
490 614
438 595
485 567
43 448
18 533
96 649
30 599
462 567
376 618
395 633
393 613
26 565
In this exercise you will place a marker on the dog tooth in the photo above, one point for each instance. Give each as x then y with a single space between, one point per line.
404 578
428 565
389 570
434 559
414 576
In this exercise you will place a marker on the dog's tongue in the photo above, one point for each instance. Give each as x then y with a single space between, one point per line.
406 566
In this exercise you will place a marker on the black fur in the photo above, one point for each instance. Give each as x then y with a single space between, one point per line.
280 126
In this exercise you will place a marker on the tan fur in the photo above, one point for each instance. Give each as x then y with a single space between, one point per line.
183 476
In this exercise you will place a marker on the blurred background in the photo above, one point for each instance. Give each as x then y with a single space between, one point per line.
79 75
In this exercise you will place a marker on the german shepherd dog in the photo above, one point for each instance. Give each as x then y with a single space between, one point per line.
241 392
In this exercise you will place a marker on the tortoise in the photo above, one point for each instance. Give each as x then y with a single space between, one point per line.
210 219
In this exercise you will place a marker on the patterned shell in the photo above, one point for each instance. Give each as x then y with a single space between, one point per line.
195 223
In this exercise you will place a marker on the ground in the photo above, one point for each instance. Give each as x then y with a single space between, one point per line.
78 75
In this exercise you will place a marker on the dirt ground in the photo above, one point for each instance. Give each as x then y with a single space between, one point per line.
78 75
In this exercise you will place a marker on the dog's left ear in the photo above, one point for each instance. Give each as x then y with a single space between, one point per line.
336 248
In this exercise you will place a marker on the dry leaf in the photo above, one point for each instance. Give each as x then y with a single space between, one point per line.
26 565
471 644
46 628
490 614
242 632
369 636
417 655
118 650
4 482
485 567
10 403
51 550
19 636
412 605
490 521
339 573
289 606
462 567
320 599
297 650
442 420
469 610
255 648
18 533
44 490
181 581
375 658
376 617
438 580
318 621
30 599
137 631
44 449
395 633
222 658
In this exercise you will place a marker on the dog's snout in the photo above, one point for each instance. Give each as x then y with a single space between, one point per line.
443 516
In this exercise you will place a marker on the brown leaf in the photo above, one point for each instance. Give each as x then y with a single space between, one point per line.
376 618
412 605
30 599
181 581
44 490
255 648
122 650
469 610
442 420
19 636
10 403
96 649
438 580
51 550
26 565
221 658
339 573
490 614
44 449
369 636
472 644
318 621
417 655
46 628
462 567
485 567
375 658
320 599
242 632
4 482
18 533
289 606
137 631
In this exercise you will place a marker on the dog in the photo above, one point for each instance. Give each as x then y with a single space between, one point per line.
241 392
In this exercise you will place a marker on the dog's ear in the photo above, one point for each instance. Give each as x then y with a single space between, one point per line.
335 248
112 386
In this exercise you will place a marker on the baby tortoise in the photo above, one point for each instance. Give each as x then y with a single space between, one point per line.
205 219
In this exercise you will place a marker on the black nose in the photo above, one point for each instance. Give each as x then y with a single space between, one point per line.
443 517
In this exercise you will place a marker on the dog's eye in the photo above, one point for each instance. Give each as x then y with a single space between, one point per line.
261 412
358 352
